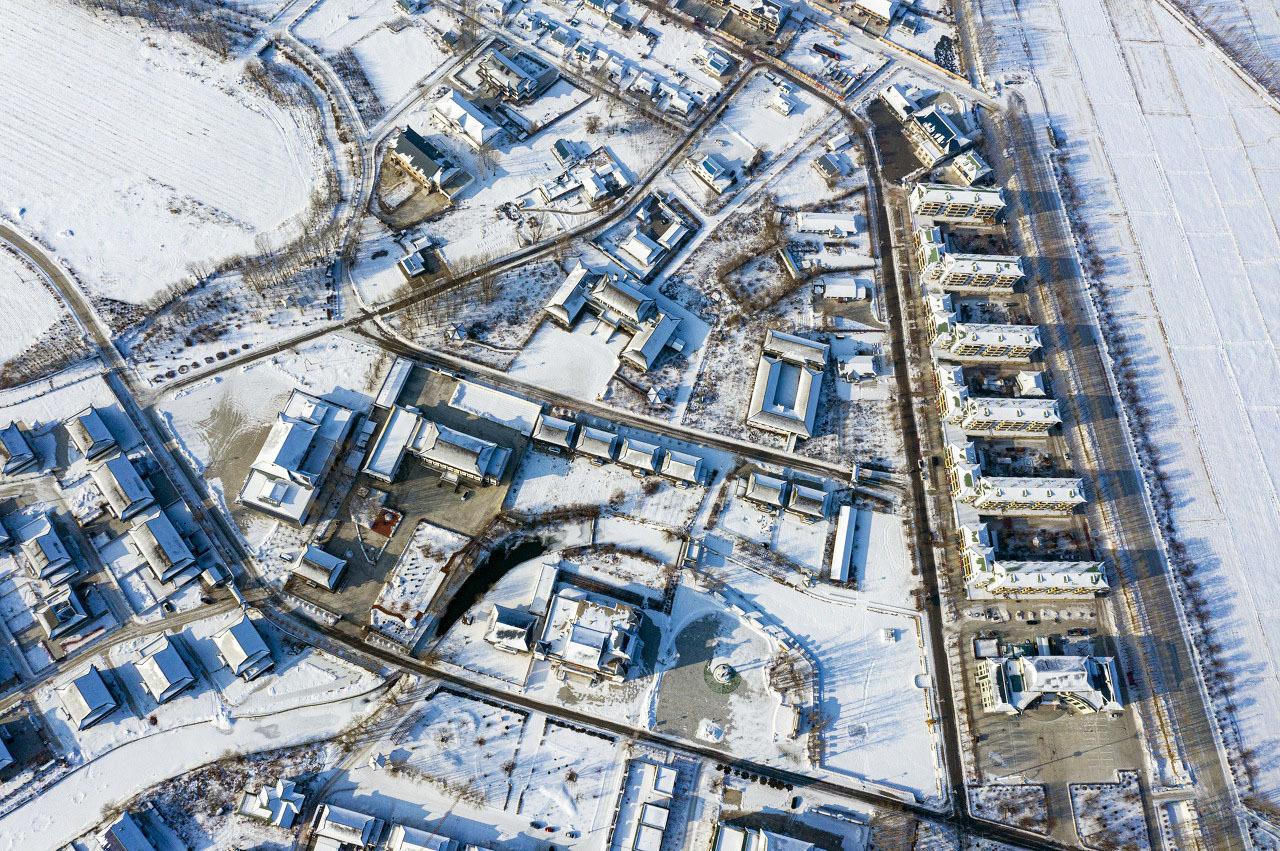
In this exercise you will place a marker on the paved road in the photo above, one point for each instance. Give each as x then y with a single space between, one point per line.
1156 650
850 791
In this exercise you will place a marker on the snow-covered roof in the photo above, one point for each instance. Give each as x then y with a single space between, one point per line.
681 466
765 489
589 634
163 672
124 834
347 826
320 567
15 449
457 452
645 345
162 546
242 648
123 488
404 838
393 439
467 119
642 249
835 224
842 551
296 456
89 433
43 546
638 454
554 431
807 500
597 442
394 382
87 698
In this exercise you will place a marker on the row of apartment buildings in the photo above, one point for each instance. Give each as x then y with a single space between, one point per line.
979 401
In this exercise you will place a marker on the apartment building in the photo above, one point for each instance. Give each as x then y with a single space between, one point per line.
961 204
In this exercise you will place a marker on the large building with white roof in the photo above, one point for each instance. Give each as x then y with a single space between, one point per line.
961 204
991 342
1084 684
589 637
297 455
90 434
788 385
465 120
956 272
455 455
987 576
515 74
1009 495
45 551
1014 416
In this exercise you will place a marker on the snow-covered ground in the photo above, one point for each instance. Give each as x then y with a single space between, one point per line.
219 423
1177 166
148 156
309 696
24 293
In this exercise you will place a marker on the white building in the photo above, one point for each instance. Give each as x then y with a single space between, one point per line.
126 493
124 834
319 567
681 467
880 11
163 672
767 491
958 272
16 454
992 414
243 650
86 699
834 225
590 637
465 120
296 457
1009 495
339 829
987 576
964 204
978 342
1084 684
788 385
714 172
279 804
619 304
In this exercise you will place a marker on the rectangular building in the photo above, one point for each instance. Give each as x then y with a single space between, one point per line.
788 384
963 204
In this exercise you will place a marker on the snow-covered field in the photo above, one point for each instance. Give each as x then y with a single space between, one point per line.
24 293
146 155
1176 159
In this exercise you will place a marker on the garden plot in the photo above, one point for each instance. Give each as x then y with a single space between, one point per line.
1176 165
208 165
1023 805
853 70
568 778
580 362
1110 815
219 423
488 776
465 746
27 299
803 544
487 219
671 58
400 611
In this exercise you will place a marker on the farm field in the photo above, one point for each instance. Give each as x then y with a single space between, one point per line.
1176 157
153 158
